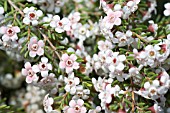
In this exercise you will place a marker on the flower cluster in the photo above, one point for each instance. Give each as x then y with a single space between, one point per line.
85 56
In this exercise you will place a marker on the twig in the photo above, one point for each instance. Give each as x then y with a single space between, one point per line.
52 46
140 37
13 5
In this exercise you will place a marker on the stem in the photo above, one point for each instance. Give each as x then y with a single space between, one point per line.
52 46
140 37
13 5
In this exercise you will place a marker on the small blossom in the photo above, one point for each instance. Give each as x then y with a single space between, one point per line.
9 33
167 11
47 103
29 73
71 83
69 62
60 25
35 47
43 67
32 16
75 106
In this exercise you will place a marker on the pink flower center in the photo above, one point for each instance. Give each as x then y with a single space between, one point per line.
10 32
43 66
34 47
69 63
32 15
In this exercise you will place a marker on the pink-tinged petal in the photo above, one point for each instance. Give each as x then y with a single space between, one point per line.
167 5
118 13
27 65
44 60
72 103
71 110
35 68
44 73
76 65
69 69
83 110
49 66
41 43
117 21
53 24
167 12
35 77
64 57
29 79
40 51
73 57
14 37
32 53
80 102
16 29
3 30
33 40
5 38
62 64
24 72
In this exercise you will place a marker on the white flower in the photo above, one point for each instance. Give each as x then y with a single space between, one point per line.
1 10
43 67
123 39
133 5
97 110
115 62
60 25
32 16
106 95
100 84
81 31
152 89
9 33
167 11
81 93
104 45
71 83
74 17
47 103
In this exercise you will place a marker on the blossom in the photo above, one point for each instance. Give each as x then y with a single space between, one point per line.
113 18
75 106
133 5
71 83
97 110
43 67
167 11
29 73
81 93
115 62
47 103
60 25
31 16
104 45
74 17
69 62
123 39
106 95
9 32
35 47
